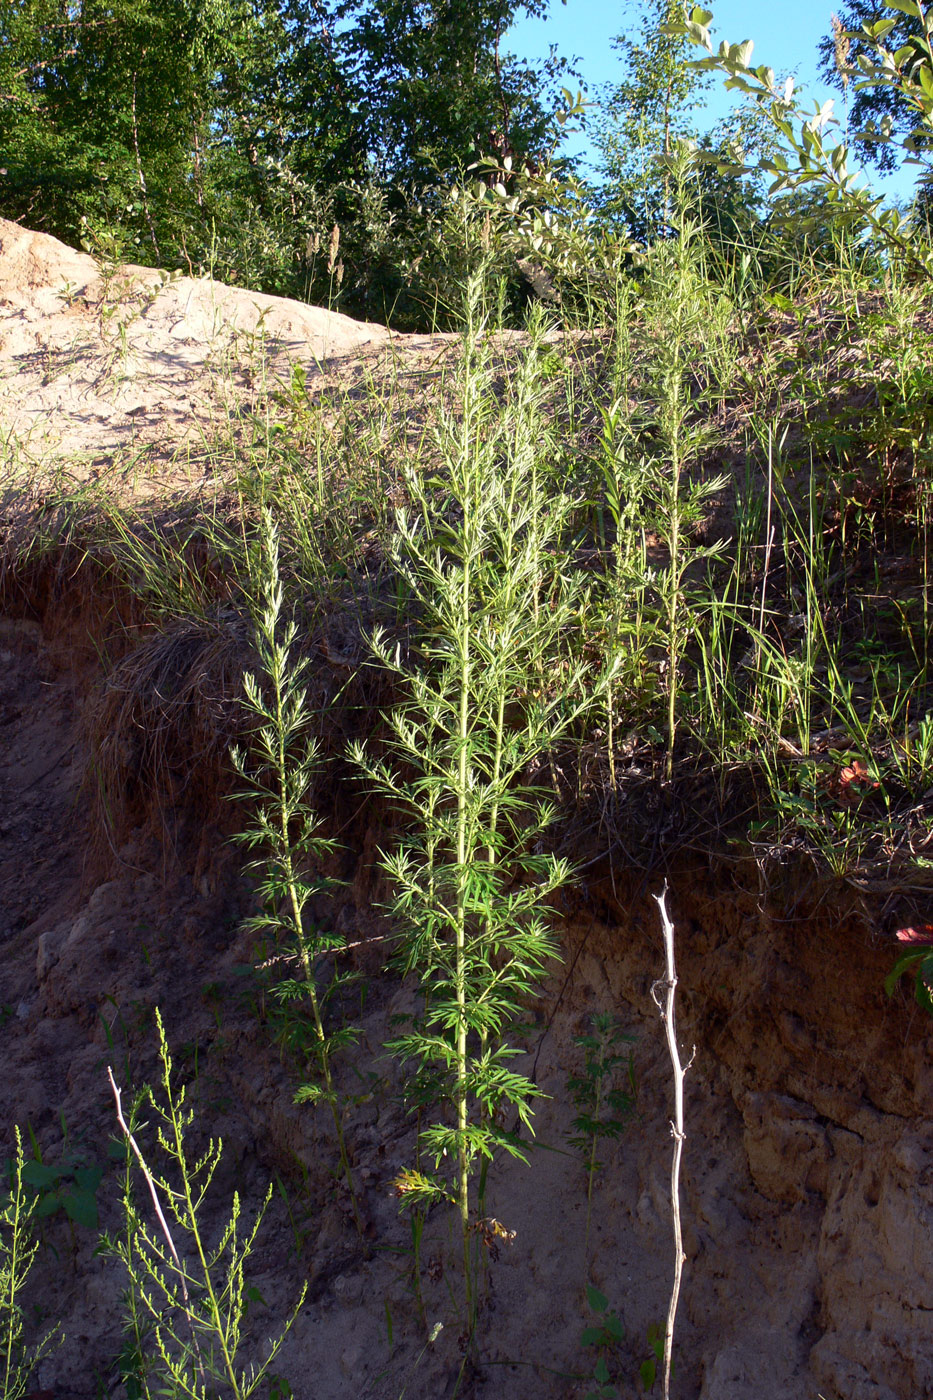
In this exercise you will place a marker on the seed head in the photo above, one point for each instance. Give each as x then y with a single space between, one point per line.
334 248
842 46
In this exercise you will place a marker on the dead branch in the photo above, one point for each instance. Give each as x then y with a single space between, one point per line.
663 995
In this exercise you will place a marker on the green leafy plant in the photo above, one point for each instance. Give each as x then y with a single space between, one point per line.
605 1107
69 1185
918 961
648 1370
188 1301
18 1207
605 1336
491 688
278 771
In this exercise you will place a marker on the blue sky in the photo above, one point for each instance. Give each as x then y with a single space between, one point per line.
785 32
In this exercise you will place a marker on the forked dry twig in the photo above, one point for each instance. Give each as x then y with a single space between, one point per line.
663 993
160 1215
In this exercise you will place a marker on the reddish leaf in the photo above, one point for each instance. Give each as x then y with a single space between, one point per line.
852 782
923 933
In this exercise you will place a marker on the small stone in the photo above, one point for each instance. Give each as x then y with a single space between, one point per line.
48 952
351 1359
348 1289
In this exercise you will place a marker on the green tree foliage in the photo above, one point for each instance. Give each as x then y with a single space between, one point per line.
238 133
644 117
168 119
808 159
438 87
646 114
839 55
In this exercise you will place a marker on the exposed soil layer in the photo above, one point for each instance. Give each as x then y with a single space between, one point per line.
808 1190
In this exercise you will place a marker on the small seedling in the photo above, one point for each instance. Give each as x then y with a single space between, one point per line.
604 1106
69 1185
299 1235
605 1335
212 996
919 961
648 1370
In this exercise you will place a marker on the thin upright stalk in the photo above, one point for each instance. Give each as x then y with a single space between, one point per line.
463 811
673 617
295 908
663 993
14 1267
463 1169
769 532
591 1174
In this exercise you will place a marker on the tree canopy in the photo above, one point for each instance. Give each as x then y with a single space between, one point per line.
438 87
203 128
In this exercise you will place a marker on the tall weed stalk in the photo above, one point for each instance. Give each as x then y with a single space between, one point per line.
278 771
17 1252
492 688
679 326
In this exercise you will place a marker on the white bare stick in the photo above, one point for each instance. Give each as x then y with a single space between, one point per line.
663 994
159 1215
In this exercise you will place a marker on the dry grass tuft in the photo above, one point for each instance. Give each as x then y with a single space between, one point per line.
161 725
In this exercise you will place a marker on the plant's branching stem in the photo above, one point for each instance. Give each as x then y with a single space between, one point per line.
160 1215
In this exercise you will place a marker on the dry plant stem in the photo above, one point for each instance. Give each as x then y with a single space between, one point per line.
163 1223
666 1008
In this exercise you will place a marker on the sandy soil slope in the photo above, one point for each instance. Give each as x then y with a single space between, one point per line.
98 361
808 1195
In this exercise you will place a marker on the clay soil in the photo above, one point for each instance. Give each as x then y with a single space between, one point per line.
808 1170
